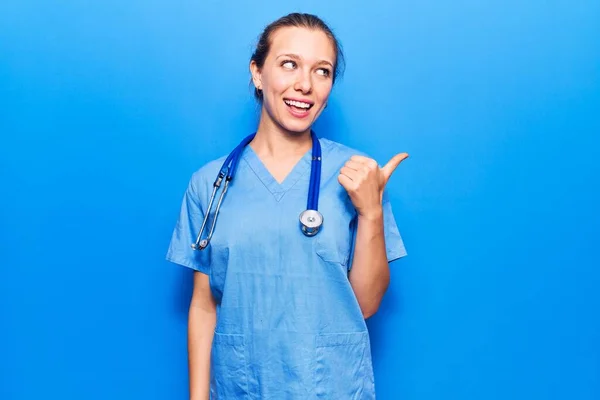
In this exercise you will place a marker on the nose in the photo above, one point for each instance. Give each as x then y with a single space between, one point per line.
303 82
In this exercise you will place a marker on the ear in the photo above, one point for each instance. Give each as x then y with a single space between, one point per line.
256 75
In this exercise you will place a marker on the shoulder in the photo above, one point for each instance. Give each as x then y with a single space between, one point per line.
203 178
338 150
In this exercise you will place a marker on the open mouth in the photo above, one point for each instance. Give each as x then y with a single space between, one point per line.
298 106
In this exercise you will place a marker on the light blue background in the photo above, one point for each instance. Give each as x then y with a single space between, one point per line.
107 107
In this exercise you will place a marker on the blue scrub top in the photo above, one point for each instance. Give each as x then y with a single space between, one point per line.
288 323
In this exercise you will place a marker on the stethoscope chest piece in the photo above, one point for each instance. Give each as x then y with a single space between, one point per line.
311 222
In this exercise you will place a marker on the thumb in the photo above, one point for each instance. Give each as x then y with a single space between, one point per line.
391 166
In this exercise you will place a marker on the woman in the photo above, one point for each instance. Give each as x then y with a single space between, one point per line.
275 313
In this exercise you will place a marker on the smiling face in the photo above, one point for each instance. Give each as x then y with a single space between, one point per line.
296 78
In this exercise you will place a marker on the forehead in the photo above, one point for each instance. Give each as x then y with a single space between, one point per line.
310 44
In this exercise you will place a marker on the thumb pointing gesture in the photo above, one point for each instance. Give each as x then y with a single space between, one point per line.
365 181
391 166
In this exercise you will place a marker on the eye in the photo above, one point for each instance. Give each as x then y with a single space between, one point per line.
324 72
288 64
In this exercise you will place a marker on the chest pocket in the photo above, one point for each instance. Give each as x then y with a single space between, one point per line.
334 242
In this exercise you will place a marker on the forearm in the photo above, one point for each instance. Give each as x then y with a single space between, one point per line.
201 326
370 274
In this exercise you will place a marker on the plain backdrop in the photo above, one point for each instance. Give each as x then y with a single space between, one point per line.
107 107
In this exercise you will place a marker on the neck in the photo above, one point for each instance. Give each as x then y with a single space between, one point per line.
273 141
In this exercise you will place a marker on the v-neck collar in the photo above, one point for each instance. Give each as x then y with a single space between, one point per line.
277 189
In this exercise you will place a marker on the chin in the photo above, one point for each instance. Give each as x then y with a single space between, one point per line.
296 128
297 125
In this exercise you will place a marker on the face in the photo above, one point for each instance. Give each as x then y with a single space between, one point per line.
296 78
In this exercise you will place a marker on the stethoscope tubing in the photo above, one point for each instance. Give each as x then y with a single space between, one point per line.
227 172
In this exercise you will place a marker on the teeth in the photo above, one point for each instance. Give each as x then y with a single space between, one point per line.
298 104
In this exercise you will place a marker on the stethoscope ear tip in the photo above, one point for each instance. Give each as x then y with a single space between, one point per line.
201 246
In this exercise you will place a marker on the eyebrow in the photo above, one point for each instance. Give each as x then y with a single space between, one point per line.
297 57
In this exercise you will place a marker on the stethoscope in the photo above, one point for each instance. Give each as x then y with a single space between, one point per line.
311 219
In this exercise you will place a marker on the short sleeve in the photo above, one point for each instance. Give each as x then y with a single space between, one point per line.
394 246
186 230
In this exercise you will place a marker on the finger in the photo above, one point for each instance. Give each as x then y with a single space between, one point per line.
346 182
364 160
350 173
355 165
391 166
